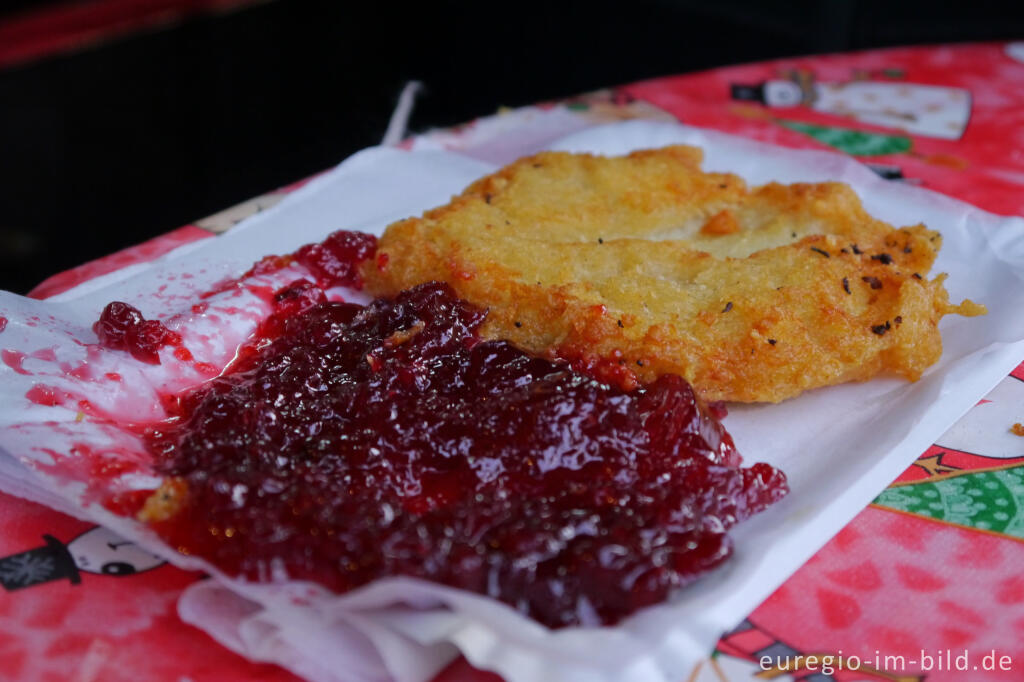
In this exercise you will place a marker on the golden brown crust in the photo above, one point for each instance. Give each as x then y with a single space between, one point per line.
165 502
751 294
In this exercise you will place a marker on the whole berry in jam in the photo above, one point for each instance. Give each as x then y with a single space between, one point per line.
335 261
122 327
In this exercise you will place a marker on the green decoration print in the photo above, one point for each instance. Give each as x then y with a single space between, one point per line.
986 500
853 142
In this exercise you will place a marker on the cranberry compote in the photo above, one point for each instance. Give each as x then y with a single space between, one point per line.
335 261
358 443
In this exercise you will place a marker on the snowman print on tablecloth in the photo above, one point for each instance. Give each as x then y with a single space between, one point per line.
926 110
986 430
97 551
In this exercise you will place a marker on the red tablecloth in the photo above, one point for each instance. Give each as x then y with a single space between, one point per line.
926 576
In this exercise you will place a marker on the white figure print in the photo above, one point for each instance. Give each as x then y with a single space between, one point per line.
926 110
985 429
97 551
101 551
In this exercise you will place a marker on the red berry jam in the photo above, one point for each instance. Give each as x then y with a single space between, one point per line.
336 260
122 327
351 443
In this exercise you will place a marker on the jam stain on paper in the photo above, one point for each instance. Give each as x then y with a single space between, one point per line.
15 360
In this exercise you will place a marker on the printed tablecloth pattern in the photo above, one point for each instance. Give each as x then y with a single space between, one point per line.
932 567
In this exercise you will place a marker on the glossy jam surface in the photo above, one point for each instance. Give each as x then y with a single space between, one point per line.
122 327
348 444
335 261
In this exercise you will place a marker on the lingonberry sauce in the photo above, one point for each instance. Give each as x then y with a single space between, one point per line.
122 327
351 443
336 260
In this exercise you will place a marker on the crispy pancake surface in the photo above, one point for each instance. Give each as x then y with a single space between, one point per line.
751 294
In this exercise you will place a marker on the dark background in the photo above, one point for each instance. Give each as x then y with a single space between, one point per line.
112 144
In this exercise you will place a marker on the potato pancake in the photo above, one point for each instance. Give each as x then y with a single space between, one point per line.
648 263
